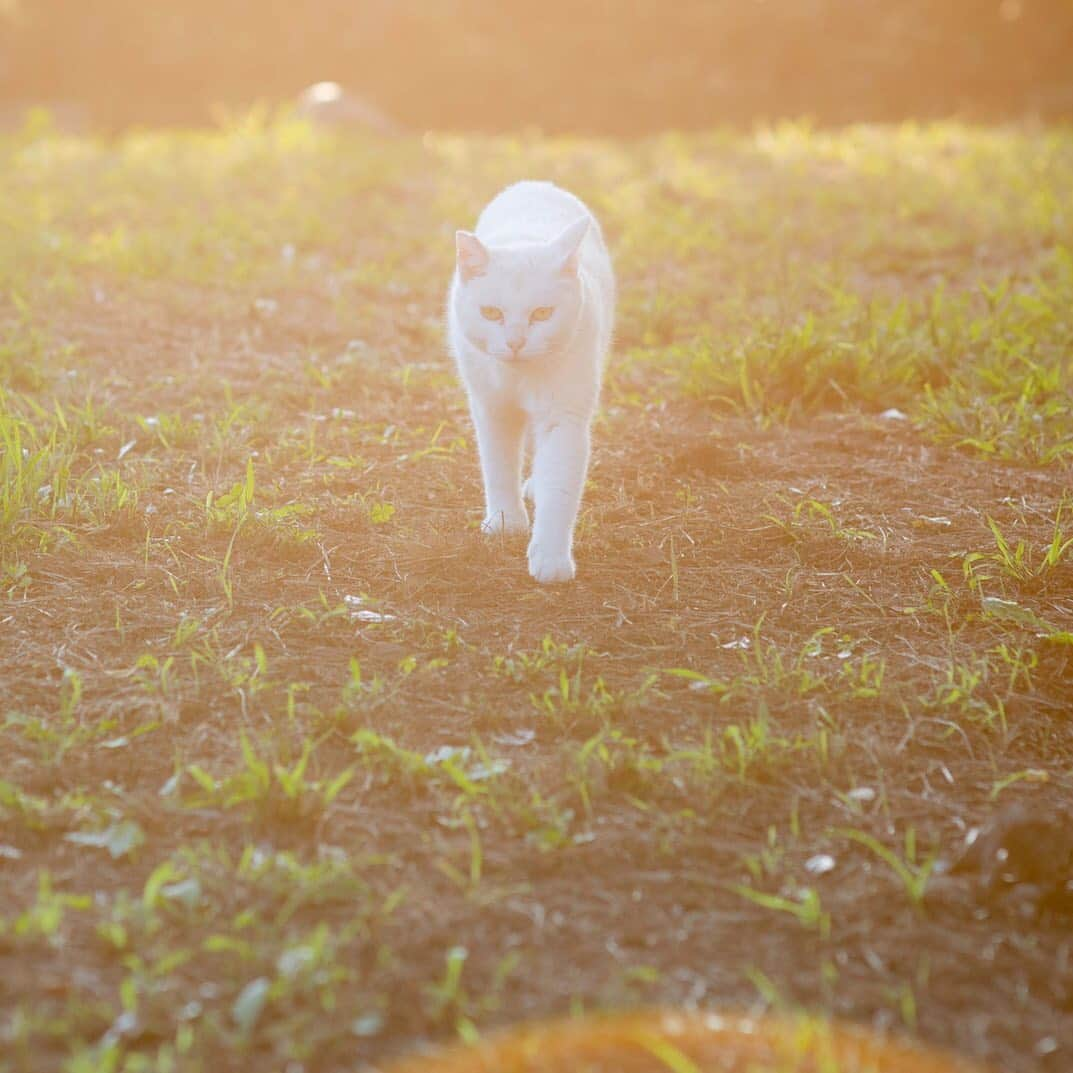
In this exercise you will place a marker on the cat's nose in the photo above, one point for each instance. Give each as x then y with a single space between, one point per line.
516 342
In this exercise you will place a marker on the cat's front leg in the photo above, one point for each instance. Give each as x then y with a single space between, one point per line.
559 465
499 443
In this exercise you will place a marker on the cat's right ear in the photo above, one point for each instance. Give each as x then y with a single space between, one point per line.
472 255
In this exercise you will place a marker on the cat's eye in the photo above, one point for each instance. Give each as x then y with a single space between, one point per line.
491 313
543 313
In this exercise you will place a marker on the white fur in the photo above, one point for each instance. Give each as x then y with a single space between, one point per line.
536 247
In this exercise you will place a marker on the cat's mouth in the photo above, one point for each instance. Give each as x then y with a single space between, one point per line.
521 357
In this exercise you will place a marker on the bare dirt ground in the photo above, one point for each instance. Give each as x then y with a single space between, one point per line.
298 771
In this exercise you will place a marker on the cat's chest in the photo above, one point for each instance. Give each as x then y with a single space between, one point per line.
538 391
528 391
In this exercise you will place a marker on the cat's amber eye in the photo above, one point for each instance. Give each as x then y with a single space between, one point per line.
491 313
543 313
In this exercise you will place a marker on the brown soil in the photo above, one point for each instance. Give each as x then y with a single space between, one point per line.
688 541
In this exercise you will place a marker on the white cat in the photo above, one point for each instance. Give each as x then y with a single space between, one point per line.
529 319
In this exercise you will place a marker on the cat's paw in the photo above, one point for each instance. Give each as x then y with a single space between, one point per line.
499 522
550 568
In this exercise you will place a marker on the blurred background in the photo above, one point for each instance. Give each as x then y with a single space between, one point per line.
602 66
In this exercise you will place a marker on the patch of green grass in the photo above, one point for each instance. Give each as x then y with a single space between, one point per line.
911 873
988 370
1020 565
278 792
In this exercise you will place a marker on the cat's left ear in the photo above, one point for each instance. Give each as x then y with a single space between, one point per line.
472 255
568 245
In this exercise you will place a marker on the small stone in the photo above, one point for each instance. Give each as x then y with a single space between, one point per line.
820 865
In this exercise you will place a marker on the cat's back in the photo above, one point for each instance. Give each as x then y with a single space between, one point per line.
531 211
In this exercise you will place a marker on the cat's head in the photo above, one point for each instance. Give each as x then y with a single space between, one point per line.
516 303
